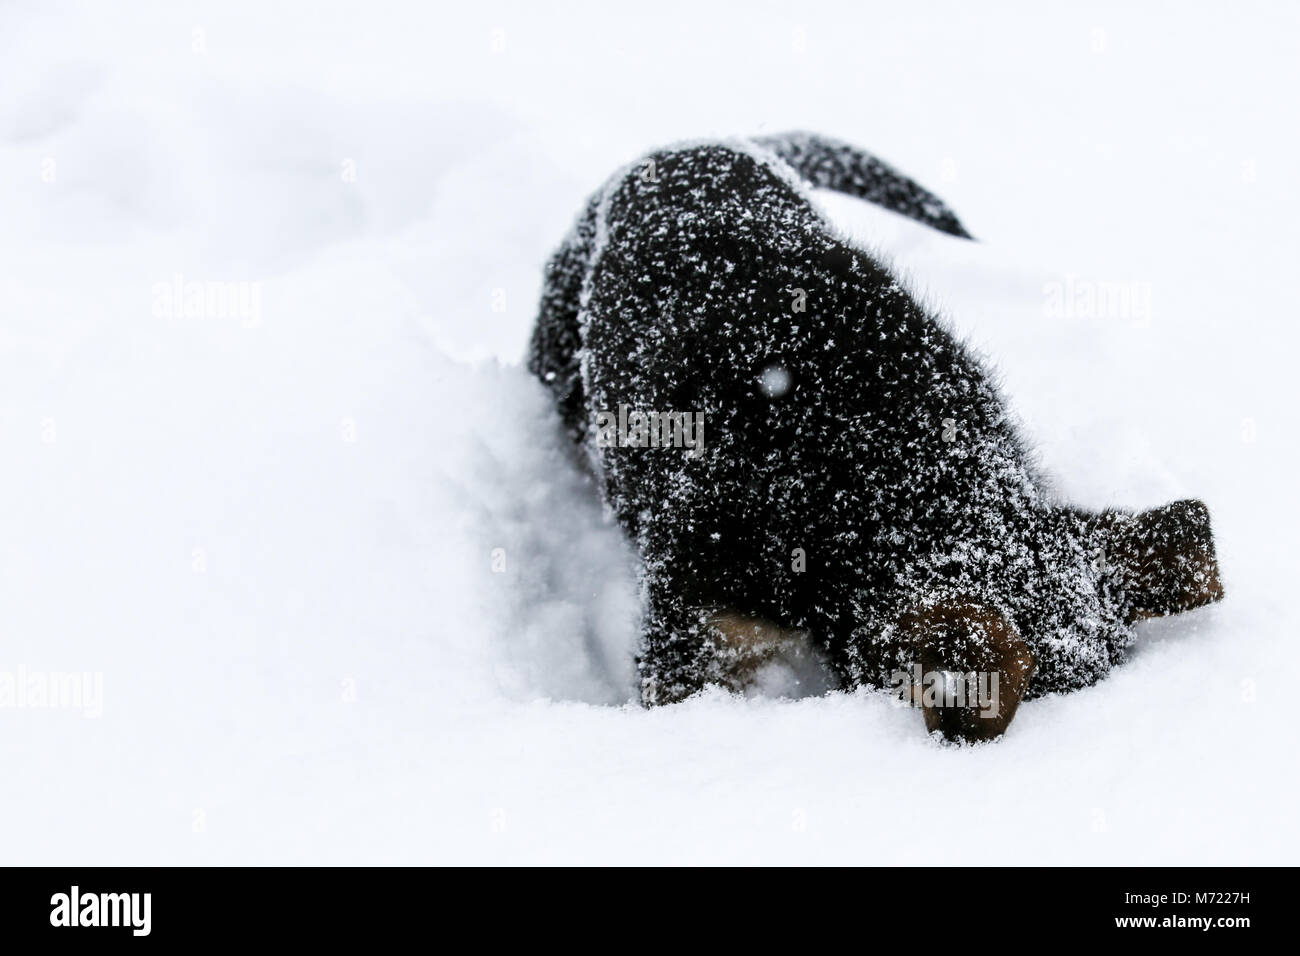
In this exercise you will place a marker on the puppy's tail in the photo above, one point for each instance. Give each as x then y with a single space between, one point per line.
832 164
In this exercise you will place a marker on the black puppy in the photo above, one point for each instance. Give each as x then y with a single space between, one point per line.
795 444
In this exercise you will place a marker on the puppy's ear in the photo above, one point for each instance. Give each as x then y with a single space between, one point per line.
1163 560
969 650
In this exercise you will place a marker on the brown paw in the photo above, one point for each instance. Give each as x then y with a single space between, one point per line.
972 668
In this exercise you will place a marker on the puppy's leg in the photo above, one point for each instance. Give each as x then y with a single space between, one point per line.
686 649
679 651
1163 561
747 643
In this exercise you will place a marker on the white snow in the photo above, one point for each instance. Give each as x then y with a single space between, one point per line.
270 522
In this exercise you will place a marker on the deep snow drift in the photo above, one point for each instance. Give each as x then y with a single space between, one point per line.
268 275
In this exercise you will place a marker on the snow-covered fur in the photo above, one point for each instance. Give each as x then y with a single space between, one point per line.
858 470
